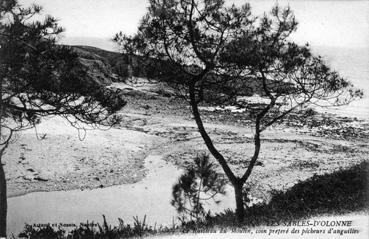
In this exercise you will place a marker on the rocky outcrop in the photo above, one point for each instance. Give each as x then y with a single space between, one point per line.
120 65
98 68
98 72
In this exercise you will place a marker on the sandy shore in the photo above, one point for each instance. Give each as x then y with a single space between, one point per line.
155 124
61 161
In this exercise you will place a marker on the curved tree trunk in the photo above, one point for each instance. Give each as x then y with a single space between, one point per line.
208 142
236 182
3 201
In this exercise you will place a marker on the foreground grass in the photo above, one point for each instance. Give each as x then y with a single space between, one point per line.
341 192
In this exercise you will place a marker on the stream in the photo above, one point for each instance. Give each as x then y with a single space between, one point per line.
151 197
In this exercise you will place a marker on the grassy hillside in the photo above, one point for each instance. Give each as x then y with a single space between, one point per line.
113 63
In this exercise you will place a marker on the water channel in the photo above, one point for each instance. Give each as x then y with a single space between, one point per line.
151 197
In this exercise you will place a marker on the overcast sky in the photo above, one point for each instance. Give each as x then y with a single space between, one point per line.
325 23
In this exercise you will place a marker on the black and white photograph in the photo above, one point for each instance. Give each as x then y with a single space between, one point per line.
184 119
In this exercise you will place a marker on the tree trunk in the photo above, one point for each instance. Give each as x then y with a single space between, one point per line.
3 198
208 142
240 209
3 201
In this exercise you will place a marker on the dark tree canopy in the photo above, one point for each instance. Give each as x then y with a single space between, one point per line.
39 78
223 49
186 38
